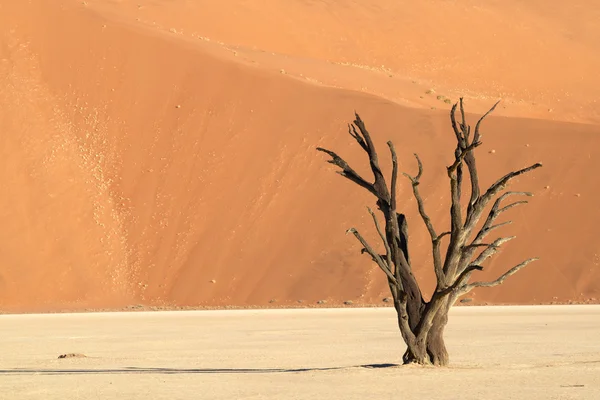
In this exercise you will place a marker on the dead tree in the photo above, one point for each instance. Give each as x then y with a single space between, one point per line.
422 322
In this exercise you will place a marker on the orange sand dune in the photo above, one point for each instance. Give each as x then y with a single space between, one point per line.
540 57
146 166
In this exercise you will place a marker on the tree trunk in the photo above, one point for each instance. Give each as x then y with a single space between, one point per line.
434 352
416 355
436 348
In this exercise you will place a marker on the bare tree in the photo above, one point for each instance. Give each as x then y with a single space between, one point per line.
422 322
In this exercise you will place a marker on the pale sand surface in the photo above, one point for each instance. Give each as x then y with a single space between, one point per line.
525 352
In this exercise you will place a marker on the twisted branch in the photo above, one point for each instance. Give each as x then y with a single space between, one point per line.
501 279
437 258
376 257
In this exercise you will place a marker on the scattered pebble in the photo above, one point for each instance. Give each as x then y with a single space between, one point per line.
492 151
321 302
72 355
177 106
348 302
213 281
272 301
387 300
578 195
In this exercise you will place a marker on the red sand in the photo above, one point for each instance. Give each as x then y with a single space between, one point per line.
150 148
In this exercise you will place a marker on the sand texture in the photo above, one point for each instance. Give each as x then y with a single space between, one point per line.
498 353
163 152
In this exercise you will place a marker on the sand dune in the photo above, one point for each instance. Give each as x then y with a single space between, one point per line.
540 58
152 147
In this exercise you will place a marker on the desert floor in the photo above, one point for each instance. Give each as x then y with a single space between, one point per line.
523 352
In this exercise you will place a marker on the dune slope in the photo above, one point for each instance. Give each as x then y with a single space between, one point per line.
146 167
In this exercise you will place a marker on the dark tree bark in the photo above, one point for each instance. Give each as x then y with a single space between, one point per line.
421 322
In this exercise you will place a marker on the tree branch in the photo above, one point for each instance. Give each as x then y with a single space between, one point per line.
460 138
379 185
437 258
403 236
352 131
474 246
458 159
501 279
458 255
492 249
491 228
465 128
394 175
442 235
475 212
464 150
468 153
459 174
501 183
415 180
458 282
376 257
470 159
388 251
495 213
511 205
477 135
393 231
456 226
347 171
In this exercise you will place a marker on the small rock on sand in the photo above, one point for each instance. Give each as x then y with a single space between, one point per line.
72 355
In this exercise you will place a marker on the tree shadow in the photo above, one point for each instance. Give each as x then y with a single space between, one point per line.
170 371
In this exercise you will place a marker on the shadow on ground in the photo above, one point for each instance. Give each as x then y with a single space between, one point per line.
139 370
